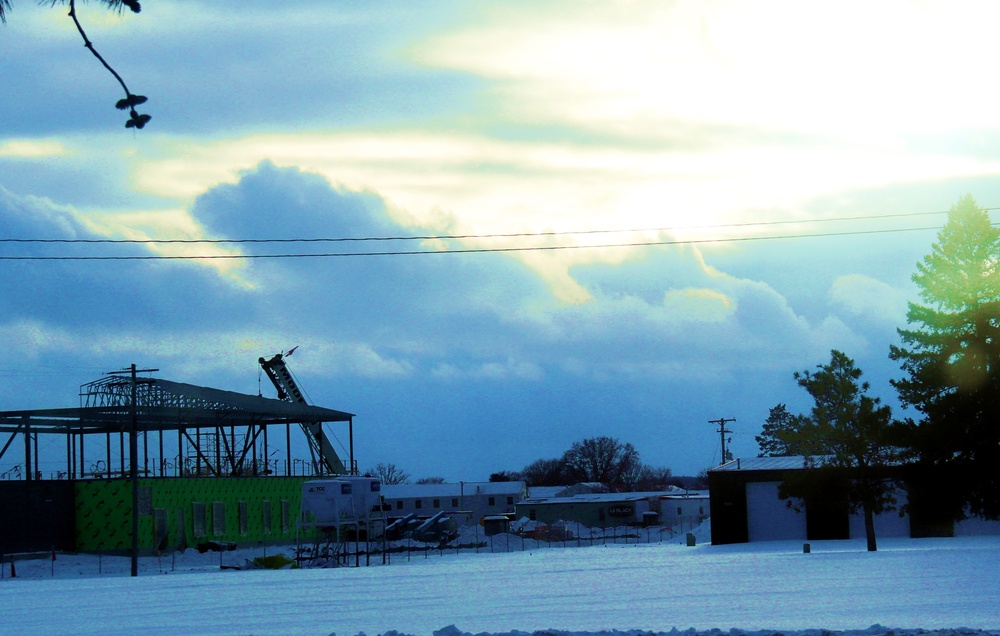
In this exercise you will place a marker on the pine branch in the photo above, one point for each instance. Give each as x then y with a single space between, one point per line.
136 120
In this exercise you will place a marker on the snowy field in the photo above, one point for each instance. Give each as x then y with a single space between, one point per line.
908 586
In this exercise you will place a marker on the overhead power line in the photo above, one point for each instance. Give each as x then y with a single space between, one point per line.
471 250
476 236
476 250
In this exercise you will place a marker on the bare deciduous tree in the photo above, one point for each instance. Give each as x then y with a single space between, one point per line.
389 474
505 475
545 472
430 480
601 459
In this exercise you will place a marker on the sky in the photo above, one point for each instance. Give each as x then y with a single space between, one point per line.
724 193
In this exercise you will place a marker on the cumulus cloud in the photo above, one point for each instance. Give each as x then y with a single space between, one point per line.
667 313
869 298
283 203
514 119
698 305
30 339
500 370
326 356
32 148
32 217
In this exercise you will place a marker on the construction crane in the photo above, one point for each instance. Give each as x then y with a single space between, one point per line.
320 448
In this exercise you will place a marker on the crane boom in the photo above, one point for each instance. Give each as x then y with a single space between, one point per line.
322 451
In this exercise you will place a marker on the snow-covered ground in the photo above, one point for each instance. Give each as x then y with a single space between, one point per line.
908 585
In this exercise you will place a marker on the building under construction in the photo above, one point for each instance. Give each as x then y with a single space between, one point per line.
165 464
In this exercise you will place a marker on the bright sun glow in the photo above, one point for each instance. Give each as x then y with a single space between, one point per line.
682 116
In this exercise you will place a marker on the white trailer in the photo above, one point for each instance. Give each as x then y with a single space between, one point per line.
338 511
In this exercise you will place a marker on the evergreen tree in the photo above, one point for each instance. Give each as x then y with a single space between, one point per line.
853 432
951 356
784 434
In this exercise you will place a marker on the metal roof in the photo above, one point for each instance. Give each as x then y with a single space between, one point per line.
604 497
175 406
790 462
452 489
612 497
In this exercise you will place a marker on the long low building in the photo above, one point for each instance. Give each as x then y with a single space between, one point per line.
746 507
473 499
597 510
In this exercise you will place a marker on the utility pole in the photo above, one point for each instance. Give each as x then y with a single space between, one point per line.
133 451
722 421
133 474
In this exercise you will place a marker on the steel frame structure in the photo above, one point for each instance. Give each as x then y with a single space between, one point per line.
219 433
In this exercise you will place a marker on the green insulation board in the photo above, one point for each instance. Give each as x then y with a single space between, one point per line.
176 513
